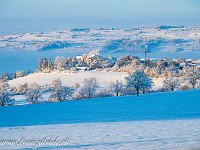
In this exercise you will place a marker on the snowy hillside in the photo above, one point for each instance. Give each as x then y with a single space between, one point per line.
155 106
104 78
167 120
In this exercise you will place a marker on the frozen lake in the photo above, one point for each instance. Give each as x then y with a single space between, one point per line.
11 61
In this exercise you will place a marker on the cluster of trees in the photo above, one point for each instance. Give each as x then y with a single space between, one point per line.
191 76
62 63
135 83
10 76
138 81
160 69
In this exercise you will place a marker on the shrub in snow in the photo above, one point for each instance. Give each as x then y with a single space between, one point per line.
192 75
75 86
171 83
107 69
20 74
116 87
34 93
103 93
79 94
5 95
60 92
139 81
185 87
22 88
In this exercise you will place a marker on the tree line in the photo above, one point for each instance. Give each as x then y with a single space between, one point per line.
136 83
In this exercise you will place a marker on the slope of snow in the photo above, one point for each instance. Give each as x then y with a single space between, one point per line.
133 135
155 106
104 78
167 120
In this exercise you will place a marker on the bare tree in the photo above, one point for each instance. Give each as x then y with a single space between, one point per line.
22 88
90 86
59 92
5 95
192 75
171 83
34 93
116 87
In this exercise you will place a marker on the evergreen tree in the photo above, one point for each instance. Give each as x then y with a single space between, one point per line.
50 65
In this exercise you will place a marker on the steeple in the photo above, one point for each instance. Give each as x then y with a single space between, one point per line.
97 51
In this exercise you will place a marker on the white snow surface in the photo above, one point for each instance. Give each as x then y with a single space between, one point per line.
68 79
128 135
166 120
104 78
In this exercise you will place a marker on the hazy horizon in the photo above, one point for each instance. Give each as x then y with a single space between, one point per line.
47 15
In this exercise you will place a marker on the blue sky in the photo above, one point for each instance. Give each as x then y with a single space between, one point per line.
93 13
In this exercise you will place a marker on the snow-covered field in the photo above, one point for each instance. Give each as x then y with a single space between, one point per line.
68 79
104 78
131 135
168 120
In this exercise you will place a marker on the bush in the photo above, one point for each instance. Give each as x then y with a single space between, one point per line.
104 93
185 87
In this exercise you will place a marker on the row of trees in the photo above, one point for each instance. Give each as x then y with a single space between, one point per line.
167 70
10 76
137 82
90 89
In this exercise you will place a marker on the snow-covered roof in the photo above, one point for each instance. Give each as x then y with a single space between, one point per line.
79 57
93 52
155 59
91 55
196 62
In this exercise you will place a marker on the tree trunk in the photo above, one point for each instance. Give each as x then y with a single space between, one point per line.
143 91
117 93
89 95
137 91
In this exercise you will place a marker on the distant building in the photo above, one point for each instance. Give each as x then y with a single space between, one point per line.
92 56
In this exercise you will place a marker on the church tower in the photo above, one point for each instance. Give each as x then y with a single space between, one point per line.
97 51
